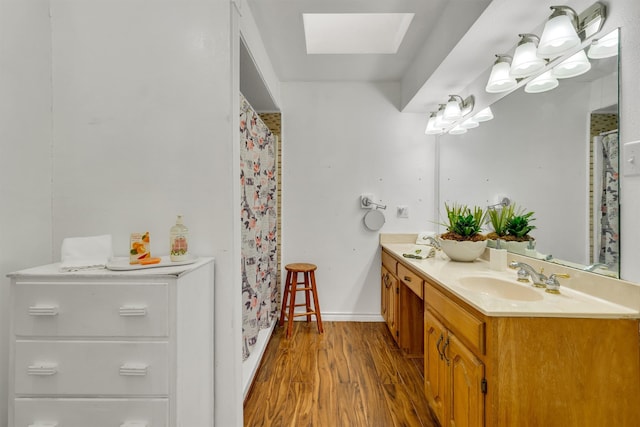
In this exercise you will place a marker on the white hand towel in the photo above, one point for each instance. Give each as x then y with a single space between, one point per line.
85 253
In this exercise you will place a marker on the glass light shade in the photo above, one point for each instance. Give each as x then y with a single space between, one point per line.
500 80
542 83
432 129
558 37
525 60
457 130
470 123
441 122
604 47
483 115
452 111
573 66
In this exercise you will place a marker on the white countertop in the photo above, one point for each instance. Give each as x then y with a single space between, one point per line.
53 270
447 273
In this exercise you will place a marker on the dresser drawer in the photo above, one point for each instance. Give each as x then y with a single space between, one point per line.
91 412
90 310
409 278
460 321
91 367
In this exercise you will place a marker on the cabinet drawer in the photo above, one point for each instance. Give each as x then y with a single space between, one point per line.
458 320
89 310
389 262
409 278
91 367
91 412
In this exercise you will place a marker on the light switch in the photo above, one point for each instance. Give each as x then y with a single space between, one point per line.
631 158
403 211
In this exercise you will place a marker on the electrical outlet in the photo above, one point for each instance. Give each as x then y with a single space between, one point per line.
403 211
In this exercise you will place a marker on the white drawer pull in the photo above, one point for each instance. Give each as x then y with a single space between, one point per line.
131 311
44 424
134 424
43 310
42 369
133 369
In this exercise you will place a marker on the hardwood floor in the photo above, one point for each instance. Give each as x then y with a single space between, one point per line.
352 375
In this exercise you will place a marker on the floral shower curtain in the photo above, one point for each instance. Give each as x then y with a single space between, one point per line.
609 221
260 293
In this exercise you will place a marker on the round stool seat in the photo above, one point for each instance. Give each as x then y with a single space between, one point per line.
300 267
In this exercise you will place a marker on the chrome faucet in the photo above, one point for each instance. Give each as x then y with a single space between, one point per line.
592 267
525 270
553 286
432 241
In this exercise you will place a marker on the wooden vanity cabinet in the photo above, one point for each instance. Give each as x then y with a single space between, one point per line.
528 371
454 374
401 305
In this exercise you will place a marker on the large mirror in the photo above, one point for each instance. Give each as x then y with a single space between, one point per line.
553 153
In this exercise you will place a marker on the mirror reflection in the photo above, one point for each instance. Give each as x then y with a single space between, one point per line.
554 153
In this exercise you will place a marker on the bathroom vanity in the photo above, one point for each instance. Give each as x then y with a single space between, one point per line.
112 348
502 353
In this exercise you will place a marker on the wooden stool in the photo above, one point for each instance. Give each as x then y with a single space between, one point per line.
290 290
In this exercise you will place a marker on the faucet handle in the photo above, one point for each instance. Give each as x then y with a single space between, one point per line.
553 286
523 275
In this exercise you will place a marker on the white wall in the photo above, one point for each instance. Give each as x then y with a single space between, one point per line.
341 140
25 151
533 140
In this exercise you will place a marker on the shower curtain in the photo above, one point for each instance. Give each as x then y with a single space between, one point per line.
260 293
609 220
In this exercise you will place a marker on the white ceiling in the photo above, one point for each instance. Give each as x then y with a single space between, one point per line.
449 45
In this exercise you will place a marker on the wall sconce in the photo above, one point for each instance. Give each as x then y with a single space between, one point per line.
457 130
432 129
470 123
483 115
500 79
605 47
543 83
560 33
573 66
440 121
525 59
457 107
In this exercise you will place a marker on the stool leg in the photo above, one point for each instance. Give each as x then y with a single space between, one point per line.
284 301
292 302
316 304
307 295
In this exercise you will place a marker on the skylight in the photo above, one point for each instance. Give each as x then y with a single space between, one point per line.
355 33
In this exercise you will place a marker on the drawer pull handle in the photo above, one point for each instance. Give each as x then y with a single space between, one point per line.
43 310
133 369
43 369
134 424
44 424
407 278
133 311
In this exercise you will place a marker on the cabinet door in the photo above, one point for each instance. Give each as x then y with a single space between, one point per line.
435 369
390 290
385 283
466 407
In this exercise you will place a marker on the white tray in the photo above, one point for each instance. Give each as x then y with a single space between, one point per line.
122 263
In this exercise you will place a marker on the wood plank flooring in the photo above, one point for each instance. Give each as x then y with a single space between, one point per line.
352 375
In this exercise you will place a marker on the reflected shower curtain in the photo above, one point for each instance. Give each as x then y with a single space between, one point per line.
610 220
258 183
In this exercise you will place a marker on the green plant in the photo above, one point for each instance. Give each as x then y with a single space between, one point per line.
500 218
463 222
519 225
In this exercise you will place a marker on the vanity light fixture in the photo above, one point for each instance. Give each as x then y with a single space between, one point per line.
440 121
573 66
470 123
500 79
525 59
457 130
432 129
605 47
560 33
483 115
543 83
457 107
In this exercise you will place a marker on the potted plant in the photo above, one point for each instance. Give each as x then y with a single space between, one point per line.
463 240
498 218
518 228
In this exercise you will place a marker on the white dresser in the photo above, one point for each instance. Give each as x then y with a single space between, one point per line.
112 349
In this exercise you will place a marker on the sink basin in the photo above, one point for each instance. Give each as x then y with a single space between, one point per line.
499 288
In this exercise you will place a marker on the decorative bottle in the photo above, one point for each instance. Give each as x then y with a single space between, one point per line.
179 241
